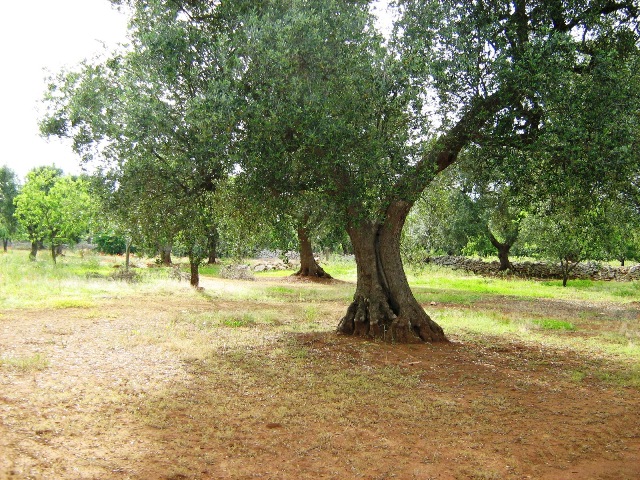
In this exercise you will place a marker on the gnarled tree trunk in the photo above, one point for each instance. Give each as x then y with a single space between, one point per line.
503 252
308 265
383 306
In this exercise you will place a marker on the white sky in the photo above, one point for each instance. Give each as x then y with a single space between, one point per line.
38 38
35 37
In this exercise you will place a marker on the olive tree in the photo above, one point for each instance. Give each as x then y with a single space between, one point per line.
54 208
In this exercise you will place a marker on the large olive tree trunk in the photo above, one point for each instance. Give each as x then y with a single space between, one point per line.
308 265
383 306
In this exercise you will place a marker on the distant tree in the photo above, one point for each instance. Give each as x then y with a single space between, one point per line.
622 230
54 208
566 234
9 189
444 220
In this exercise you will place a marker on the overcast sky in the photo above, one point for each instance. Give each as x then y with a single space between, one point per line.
36 37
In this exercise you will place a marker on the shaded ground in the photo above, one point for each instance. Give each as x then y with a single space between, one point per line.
194 386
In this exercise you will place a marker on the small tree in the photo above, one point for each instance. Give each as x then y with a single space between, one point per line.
567 235
622 239
53 208
8 191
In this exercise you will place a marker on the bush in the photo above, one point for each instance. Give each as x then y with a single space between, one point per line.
111 244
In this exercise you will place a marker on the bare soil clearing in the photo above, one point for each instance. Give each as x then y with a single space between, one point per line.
199 386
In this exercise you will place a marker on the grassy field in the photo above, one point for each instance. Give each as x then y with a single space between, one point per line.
102 378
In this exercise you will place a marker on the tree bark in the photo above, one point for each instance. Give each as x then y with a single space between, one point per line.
194 264
165 255
503 252
5 244
34 251
383 306
567 266
54 252
308 265
212 245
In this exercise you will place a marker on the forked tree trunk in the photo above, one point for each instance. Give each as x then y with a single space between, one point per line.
383 306
308 265
503 252
567 265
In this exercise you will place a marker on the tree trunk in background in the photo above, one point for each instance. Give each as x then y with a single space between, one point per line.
308 265
194 264
212 245
383 306
127 254
165 255
34 251
54 252
503 252
5 244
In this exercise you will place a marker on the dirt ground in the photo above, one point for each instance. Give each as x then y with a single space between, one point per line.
134 389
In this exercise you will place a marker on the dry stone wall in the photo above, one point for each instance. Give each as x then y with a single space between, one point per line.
541 270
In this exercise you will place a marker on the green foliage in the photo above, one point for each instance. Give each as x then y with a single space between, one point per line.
9 189
443 220
54 207
622 235
552 324
111 243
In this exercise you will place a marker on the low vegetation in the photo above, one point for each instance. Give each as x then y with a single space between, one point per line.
154 379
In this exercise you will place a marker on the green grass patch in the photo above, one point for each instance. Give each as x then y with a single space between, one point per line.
72 303
30 363
551 324
238 320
